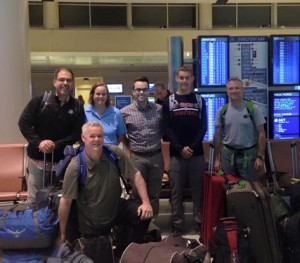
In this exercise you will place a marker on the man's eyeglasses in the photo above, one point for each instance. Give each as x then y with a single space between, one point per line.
62 80
138 90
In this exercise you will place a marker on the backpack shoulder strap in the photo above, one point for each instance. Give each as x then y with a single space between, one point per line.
78 105
45 100
250 108
171 101
199 100
223 112
81 167
111 155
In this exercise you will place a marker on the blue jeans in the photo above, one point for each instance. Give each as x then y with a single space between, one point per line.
183 171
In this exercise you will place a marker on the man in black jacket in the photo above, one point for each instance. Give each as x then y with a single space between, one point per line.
50 122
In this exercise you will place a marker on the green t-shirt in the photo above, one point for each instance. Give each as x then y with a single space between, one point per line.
98 200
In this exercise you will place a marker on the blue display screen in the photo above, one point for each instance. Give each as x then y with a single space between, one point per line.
285 60
284 113
151 86
214 101
213 60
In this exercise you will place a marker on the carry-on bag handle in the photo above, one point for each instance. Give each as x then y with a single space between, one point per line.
294 159
44 168
272 165
211 159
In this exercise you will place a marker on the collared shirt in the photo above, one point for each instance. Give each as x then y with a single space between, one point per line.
98 201
143 126
111 121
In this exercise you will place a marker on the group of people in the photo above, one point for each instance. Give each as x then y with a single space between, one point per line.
49 125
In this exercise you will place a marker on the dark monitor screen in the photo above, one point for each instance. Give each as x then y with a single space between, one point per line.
284 112
213 68
214 101
284 60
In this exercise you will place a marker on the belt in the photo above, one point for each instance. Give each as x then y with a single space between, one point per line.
147 154
245 152
239 150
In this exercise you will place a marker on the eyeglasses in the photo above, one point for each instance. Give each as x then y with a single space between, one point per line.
138 90
62 80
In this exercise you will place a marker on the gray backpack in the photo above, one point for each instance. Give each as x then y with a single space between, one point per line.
66 253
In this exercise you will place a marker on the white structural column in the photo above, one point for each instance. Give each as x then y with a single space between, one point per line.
205 16
15 67
51 15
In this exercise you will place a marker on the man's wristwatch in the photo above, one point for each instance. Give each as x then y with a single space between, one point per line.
260 157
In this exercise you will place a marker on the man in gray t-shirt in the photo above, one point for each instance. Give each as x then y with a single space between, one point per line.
240 137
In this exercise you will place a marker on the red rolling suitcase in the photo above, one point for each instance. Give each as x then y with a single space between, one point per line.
214 201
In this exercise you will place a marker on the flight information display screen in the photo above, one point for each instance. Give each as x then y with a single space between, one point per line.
248 60
214 101
284 114
213 68
151 88
285 60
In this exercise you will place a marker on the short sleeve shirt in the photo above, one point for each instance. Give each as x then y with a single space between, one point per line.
239 131
98 200
111 121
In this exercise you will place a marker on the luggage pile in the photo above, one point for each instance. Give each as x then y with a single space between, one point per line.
27 234
238 219
287 200
172 249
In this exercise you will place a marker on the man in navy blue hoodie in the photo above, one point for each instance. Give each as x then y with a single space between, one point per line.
186 124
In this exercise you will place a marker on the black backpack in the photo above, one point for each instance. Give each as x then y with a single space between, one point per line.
232 244
291 234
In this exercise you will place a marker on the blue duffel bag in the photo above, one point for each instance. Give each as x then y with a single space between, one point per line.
36 255
27 228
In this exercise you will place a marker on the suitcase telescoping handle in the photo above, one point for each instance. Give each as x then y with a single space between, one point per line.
272 165
211 159
294 159
45 168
